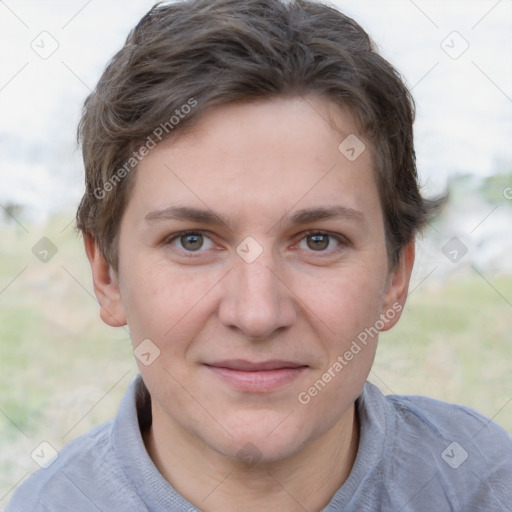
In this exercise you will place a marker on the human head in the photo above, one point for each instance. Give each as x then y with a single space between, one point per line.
186 57
254 98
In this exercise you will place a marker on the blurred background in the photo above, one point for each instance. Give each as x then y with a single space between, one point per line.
62 371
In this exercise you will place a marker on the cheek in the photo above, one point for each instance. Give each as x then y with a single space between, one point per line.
345 307
162 303
346 302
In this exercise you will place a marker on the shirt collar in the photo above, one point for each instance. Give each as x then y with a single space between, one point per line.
150 485
158 494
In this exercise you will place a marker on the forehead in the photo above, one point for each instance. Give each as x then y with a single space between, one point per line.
260 159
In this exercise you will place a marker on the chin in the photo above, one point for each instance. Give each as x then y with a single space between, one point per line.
268 438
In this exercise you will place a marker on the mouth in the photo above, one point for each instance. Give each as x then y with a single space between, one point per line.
256 377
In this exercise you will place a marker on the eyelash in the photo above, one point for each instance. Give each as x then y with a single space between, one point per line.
343 242
176 236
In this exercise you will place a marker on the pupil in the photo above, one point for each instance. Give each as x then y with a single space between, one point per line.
192 242
317 242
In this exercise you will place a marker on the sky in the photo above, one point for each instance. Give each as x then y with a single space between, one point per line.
453 54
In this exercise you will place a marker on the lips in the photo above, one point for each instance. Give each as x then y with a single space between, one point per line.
252 376
248 366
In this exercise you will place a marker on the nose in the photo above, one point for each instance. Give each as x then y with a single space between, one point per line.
256 300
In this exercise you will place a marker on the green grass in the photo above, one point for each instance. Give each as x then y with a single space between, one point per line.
454 343
62 371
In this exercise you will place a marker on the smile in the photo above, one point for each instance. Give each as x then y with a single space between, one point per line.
256 377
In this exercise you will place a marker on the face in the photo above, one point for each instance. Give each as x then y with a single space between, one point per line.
252 254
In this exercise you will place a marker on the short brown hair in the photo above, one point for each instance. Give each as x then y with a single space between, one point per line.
202 53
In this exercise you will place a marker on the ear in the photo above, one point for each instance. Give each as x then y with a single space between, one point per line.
397 287
106 286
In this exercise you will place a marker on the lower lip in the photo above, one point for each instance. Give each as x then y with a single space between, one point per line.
260 381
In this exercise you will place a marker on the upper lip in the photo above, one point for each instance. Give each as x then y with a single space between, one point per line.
251 366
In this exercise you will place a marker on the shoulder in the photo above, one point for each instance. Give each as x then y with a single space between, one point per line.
449 422
450 453
83 470
50 488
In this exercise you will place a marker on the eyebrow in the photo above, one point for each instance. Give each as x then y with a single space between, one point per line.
316 214
304 216
187 213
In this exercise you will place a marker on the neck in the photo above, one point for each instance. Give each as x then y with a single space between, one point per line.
307 480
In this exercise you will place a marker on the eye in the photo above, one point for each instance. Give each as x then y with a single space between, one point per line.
320 241
190 241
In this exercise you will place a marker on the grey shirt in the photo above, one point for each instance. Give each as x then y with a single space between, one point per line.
415 454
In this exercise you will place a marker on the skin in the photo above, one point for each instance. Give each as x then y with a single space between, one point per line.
254 164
